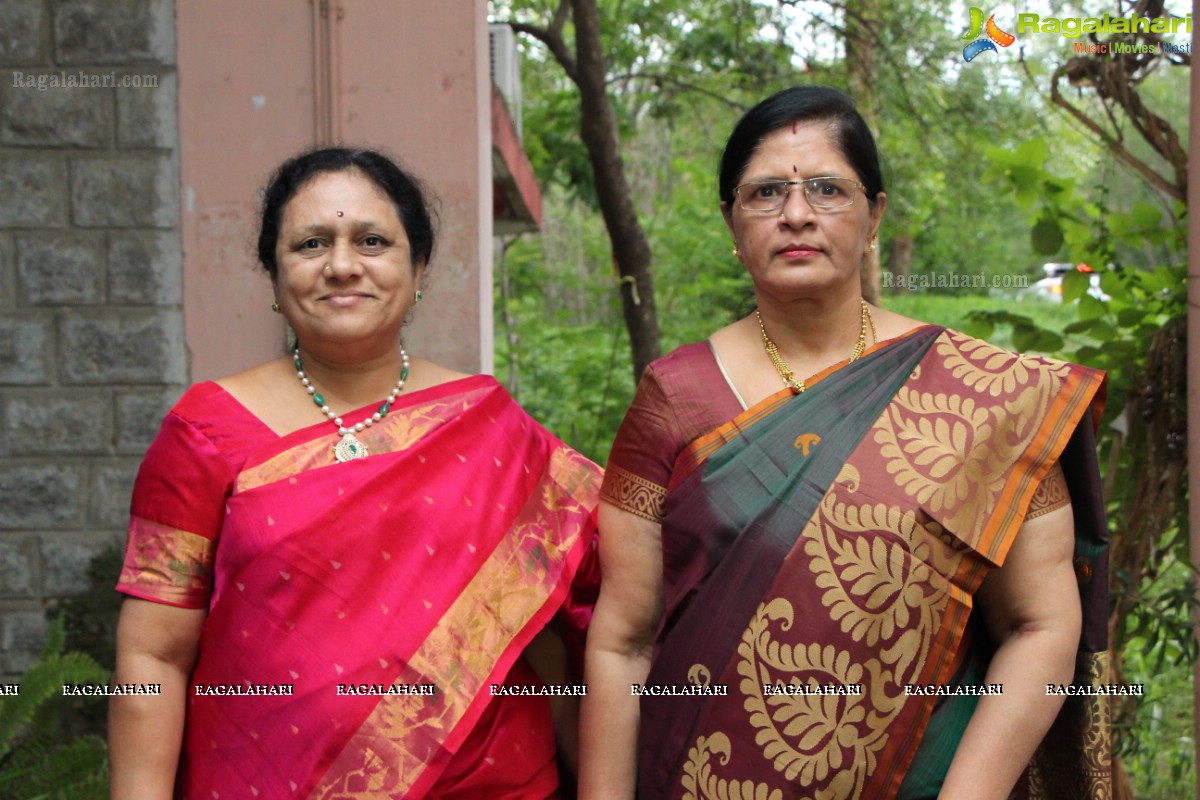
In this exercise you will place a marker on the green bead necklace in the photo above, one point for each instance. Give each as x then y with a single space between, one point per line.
349 447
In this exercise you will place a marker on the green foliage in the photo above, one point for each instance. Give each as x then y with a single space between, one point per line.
90 621
1143 248
36 763
965 312
1112 334
1161 754
90 618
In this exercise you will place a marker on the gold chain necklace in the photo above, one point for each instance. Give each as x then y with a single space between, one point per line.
785 372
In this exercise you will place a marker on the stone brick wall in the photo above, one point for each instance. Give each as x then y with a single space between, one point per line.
91 324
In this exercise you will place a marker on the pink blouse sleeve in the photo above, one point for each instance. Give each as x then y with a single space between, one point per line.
177 512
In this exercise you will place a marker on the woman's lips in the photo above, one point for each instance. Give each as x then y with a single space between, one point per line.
345 299
798 251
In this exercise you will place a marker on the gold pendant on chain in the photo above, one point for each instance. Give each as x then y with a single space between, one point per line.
349 448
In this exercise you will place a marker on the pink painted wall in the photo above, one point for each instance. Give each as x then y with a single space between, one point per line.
408 76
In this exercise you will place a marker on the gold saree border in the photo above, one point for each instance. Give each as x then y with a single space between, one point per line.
1051 776
399 430
167 565
1072 402
486 626
634 494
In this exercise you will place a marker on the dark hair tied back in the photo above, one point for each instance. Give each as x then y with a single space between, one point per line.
800 104
404 190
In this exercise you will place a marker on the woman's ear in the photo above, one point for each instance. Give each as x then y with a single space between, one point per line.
877 213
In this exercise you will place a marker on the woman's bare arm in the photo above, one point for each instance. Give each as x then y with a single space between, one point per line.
619 643
1031 607
156 643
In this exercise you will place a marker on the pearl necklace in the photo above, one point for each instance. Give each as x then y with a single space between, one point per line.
785 372
349 447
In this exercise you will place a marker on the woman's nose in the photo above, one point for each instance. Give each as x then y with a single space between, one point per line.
796 209
343 261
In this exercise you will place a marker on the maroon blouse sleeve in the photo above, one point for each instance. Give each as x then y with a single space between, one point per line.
680 397
643 453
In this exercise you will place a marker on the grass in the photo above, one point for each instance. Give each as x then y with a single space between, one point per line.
951 309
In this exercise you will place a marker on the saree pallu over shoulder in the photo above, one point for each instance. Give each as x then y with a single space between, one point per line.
388 593
821 554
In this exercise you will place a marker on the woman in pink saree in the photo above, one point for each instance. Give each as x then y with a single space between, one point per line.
340 606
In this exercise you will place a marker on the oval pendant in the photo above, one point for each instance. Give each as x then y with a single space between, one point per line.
349 448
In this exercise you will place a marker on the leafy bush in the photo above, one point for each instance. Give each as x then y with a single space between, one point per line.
37 761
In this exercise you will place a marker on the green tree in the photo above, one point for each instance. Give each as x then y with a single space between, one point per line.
625 64
1135 223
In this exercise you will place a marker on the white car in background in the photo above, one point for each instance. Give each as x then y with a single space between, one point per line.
1051 287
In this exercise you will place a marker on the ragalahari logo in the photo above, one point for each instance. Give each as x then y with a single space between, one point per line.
994 37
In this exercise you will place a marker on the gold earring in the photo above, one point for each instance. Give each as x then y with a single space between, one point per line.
736 254
275 307
871 245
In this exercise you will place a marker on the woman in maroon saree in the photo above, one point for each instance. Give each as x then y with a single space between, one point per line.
791 576
330 611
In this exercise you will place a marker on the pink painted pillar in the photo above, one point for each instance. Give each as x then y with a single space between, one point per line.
261 81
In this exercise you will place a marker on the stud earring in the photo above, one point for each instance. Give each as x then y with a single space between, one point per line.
418 296
275 307
736 254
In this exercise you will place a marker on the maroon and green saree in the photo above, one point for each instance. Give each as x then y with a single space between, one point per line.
835 538
431 563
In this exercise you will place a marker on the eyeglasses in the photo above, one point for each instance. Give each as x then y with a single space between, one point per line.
823 194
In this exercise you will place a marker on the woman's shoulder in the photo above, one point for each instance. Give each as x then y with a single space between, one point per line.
218 411
684 359
690 373
205 401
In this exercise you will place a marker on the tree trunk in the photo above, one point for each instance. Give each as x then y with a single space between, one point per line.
507 319
900 257
862 68
631 250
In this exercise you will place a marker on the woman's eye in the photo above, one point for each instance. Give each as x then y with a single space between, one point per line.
373 241
310 244
829 189
766 190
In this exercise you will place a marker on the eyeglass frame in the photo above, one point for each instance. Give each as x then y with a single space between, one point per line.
803 184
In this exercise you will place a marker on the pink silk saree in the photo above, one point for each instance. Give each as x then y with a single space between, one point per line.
432 563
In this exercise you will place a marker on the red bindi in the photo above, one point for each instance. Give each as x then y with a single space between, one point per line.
340 214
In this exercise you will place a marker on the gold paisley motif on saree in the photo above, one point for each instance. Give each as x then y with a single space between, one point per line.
822 740
879 585
699 783
954 454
